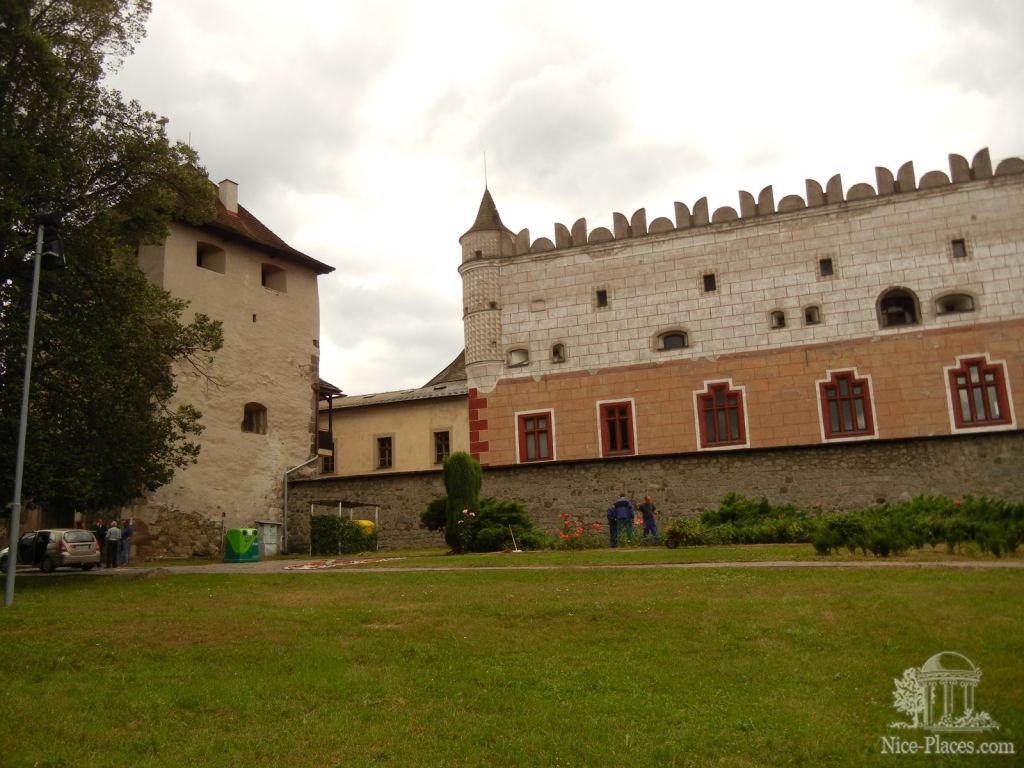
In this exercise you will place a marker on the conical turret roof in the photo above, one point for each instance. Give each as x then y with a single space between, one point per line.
487 218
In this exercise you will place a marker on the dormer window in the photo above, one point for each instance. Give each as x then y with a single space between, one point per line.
273 277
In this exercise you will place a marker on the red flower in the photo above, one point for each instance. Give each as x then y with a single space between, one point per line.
957 502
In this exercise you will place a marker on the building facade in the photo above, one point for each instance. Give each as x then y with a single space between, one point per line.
258 399
411 430
885 312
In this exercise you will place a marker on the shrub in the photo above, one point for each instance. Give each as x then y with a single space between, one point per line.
434 517
332 535
686 531
488 529
995 525
462 480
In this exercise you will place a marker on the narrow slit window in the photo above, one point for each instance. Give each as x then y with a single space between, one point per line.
602 298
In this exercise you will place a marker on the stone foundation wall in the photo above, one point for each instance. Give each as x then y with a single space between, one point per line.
163 532
838 476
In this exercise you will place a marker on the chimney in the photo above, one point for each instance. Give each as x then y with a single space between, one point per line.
227 193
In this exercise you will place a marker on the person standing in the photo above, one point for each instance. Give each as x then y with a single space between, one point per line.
113 544
613 528
624 516
650 526
127 531
99 530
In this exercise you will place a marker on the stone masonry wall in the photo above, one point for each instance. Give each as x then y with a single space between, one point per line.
838 476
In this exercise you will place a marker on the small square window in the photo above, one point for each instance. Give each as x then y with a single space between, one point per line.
825 268
959 249
602 298
710 284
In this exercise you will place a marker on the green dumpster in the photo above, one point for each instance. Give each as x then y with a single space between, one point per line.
242 545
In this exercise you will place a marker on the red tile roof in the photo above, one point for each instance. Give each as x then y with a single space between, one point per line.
247 228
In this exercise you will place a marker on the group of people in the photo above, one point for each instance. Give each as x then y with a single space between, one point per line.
115 541
621 516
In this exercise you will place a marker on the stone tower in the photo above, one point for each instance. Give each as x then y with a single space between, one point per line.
482 246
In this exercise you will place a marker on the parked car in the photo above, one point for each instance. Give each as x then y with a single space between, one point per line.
55 548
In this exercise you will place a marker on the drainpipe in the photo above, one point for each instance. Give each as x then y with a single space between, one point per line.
284 533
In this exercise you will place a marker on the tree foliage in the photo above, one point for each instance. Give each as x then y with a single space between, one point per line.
462 480
103 424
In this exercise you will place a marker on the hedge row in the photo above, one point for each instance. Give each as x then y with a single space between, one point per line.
994 525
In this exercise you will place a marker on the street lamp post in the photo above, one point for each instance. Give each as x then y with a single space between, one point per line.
12 552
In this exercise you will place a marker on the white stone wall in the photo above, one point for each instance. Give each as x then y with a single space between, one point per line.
654 283
269 357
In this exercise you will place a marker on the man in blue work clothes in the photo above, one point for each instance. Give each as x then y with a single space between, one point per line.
613 527
624 516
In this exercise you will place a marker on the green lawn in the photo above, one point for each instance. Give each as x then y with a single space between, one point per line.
567 667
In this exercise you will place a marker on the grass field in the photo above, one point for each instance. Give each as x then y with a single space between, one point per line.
566 667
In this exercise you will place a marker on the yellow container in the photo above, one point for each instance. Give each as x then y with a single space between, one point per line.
367 526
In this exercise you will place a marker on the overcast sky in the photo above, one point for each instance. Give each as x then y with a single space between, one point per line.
356 129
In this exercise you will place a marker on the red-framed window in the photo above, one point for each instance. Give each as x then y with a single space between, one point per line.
846 406
536 437
617 429
721 419
977 390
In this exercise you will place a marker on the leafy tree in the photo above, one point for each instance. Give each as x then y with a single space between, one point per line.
103 424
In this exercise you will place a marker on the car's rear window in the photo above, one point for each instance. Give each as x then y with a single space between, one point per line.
78 537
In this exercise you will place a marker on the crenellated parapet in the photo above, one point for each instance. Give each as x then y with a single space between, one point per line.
886 184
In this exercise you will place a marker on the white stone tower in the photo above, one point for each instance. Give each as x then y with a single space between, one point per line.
482 246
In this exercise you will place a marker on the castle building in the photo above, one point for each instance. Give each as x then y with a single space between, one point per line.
832 350
259 397
871 314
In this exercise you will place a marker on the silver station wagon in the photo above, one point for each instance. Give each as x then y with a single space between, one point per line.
55 548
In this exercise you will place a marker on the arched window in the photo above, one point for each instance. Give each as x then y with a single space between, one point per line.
518 357
670 340
953 303
898 306
254 419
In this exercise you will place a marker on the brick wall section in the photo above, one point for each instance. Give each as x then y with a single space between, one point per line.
837 476
478 424
907 379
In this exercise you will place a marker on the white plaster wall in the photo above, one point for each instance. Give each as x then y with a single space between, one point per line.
271 359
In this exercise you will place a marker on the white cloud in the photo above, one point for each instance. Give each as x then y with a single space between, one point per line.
357 129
